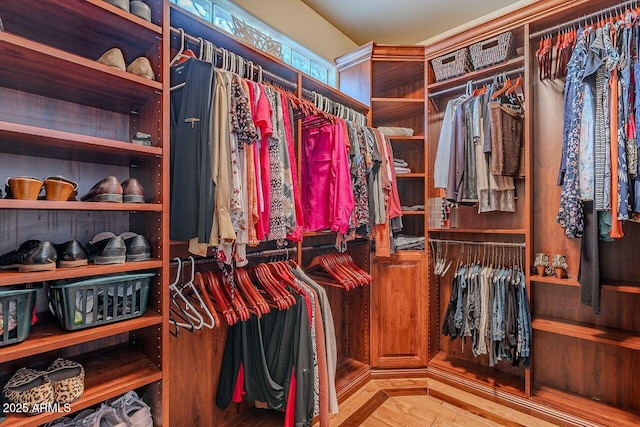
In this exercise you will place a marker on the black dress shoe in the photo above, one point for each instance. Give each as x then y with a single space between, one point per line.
71 254
107 248
137 247
32 255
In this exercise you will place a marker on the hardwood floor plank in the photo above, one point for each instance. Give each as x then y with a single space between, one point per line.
356 419
424 405
374 421
391 414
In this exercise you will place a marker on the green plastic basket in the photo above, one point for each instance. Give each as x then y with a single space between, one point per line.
16 306
99 300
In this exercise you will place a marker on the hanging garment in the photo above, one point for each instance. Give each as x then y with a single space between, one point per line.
192 189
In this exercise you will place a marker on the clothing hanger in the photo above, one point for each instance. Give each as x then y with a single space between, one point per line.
193 291
181 49
214 287
186 311
199 282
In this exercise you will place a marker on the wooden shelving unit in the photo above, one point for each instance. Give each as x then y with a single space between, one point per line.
63 113
599 334
107 374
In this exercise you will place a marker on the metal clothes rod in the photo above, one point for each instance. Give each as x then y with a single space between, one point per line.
477 243
480 81
584 18
269 75
273 252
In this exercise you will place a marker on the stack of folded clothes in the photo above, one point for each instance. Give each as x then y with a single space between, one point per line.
413 208
404 242
401 166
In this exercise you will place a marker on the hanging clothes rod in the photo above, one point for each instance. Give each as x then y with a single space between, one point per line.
480 81
477 243
604 12
269 75
274 78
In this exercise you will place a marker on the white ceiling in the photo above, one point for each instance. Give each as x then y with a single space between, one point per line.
401 21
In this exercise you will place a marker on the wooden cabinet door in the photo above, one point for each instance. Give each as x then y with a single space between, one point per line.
399 311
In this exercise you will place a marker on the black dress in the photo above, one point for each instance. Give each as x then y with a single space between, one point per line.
192 187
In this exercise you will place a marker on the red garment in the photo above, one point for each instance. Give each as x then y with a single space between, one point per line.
326 180
262 120
289 414
395 208
238 389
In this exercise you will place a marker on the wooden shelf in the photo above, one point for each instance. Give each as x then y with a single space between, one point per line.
35 68
47 335
609 286
410 175
107 374
413 212
79 206
443 366
406 138
14 277
43 142
506 231
78 24
583 331
585 408
400 78
571 281
389 109
318 233
477 75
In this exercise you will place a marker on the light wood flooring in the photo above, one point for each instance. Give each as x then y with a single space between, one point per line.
422 402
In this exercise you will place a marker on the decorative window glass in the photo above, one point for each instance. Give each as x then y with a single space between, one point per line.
235 21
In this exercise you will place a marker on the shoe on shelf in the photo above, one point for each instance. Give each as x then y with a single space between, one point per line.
140 9
113 58
60 188
138 248
67 378
105 416
71 254
132 191
108 189
31 255
30 388
122 4
23 188
107 248
141 67
132 410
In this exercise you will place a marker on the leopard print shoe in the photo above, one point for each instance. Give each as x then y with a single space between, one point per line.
67 378
31 389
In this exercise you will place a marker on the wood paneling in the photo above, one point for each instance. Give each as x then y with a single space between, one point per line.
597 371
398 79
399 311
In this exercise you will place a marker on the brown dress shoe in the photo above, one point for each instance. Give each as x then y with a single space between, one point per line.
108 189
133 191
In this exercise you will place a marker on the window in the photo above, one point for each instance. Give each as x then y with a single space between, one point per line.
230 18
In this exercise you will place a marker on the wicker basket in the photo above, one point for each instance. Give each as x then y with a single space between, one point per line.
493 51
451 65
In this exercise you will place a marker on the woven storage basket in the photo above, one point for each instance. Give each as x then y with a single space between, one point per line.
451 65
493 51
